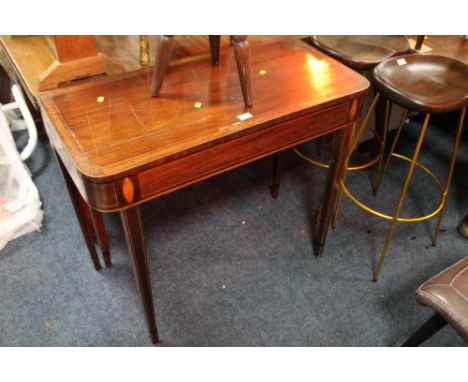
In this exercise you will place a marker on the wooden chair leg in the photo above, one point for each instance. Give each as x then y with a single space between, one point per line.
430 327
419 42
163 56
278 160
244 67
131 221
100 229
215 43
86 228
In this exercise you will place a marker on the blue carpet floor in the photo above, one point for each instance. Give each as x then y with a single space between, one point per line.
233 267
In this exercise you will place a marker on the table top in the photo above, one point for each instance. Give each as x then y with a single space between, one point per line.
111 126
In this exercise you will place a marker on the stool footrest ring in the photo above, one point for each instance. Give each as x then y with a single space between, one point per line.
372 211
372 162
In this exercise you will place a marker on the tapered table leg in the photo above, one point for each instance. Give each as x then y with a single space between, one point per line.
341 142
98 232
244 67
89 219
98 223
163 56
86 228
278 159
131 221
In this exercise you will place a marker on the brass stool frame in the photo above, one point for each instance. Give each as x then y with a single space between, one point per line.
413 163
354 142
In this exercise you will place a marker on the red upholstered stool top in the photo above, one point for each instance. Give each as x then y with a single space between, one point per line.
423 82
447 294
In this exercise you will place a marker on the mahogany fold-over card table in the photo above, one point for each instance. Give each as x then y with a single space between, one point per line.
118 147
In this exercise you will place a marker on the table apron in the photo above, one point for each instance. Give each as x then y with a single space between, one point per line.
220 158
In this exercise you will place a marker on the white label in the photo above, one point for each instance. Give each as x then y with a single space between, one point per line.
244 116
401 61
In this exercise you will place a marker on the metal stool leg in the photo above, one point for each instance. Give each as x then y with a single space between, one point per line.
402 197
388 112
392 150
449 178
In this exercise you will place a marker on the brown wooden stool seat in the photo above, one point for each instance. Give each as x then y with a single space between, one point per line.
361 52
422 82
447 294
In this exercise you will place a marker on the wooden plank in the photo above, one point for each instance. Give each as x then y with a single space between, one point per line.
70 48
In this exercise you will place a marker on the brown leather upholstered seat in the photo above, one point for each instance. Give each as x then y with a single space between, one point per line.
361 52
447 294
423 82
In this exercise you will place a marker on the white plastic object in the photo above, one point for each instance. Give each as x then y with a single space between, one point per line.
20 206
20 104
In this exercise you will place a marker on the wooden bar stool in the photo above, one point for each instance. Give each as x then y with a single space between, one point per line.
361 53
427 84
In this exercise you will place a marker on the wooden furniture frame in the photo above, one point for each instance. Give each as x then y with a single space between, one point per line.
131 148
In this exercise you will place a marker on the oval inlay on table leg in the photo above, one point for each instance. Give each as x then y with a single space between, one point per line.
128 190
